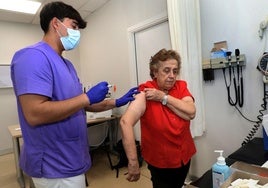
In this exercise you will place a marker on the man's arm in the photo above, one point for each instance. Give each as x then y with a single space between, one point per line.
127 122
101 106
111 103
38 109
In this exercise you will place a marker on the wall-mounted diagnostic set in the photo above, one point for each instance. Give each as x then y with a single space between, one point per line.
229 60
234 64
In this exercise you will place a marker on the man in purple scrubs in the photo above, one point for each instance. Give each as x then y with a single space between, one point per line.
51 103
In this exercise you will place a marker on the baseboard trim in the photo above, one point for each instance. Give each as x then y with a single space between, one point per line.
6 151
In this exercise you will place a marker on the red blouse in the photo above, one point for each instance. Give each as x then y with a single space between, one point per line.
166 140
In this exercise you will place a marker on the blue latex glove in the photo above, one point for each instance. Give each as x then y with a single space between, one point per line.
98 92
127 97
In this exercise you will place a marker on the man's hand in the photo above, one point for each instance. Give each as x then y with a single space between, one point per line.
98 92
129 96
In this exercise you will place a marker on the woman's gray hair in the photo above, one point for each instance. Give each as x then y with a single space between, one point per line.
163 55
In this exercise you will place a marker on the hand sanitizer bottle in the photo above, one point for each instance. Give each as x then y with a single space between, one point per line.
220 171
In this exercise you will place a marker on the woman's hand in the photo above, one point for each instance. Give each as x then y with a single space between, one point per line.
153 94
133 173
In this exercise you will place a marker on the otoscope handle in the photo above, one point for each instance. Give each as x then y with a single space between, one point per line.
229 57
228 53
237 52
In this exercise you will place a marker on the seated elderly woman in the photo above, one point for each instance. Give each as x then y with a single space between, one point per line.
164 107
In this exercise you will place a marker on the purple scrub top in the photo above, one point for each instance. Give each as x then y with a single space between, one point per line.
55 150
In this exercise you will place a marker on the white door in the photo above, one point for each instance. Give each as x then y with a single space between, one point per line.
148 42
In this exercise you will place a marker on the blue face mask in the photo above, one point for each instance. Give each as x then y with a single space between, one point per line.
70 41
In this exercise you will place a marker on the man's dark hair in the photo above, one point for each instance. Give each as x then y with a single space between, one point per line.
59 10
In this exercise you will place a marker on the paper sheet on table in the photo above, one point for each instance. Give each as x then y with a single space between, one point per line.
265 165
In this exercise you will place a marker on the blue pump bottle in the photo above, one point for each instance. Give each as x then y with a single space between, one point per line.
220 171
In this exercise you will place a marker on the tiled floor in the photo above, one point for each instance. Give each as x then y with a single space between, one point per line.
99 176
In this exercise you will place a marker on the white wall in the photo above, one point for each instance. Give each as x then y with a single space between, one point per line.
104 46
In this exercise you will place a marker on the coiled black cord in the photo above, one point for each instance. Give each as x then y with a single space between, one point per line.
240 87
258 123
231 102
